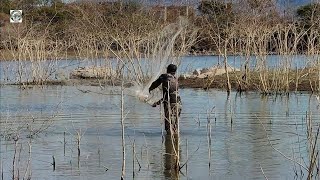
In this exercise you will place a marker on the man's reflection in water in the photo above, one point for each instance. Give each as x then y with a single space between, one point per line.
171 170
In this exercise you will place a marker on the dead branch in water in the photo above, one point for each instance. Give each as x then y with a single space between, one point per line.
122 133
263 172
288 158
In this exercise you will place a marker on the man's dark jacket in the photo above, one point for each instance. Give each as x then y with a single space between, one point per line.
169 84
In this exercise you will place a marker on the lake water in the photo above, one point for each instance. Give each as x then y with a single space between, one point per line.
240 148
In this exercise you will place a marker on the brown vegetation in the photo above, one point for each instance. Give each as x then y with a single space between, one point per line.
308 81
131 31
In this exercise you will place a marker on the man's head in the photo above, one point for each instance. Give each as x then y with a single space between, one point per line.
172 69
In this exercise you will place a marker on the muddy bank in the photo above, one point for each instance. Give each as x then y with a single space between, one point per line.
268 84
267 81
308 82
76 82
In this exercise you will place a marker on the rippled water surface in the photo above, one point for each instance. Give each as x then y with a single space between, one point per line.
240 148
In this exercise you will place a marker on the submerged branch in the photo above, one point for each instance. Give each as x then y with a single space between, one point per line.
288 158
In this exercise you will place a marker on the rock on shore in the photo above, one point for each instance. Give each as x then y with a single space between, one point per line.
92 72
209 72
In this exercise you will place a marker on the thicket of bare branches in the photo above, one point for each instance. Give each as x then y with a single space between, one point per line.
128 32
132 31
254 30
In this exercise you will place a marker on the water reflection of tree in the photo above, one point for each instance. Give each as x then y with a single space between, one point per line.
171 171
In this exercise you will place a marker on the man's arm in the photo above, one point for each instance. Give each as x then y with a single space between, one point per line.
157 103
156 83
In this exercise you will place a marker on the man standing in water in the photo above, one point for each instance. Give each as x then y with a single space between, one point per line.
171 99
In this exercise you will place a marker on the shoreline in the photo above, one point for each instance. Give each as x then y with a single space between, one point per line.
308 83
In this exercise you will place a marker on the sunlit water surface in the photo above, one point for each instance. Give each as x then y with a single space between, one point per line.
240 148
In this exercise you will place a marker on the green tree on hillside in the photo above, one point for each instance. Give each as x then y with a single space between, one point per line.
217 11
309 15
5 6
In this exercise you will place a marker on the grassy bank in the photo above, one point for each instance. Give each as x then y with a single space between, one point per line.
274 83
